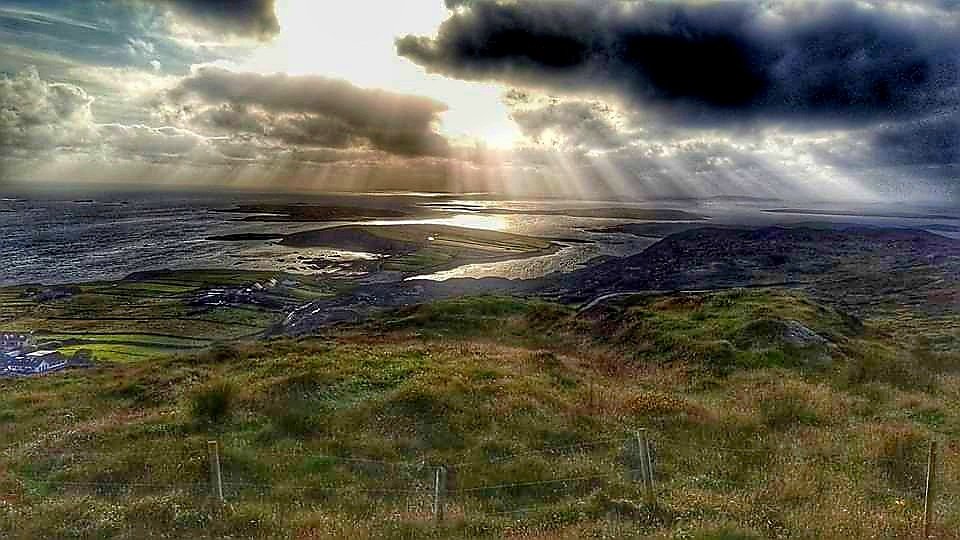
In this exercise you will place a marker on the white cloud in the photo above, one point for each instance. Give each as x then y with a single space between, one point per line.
35 114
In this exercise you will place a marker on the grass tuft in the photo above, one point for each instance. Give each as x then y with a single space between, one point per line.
212 404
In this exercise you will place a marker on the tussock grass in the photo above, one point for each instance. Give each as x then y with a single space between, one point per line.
212 404
337 436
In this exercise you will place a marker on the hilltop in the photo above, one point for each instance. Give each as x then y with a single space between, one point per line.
859 268
761 406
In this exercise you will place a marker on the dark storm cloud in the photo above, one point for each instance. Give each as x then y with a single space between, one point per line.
305 129
315 111
252 18
921 149
582 124
707 62
931 141
949 5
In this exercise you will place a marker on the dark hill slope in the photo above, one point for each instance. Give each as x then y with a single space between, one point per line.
856 266
858 269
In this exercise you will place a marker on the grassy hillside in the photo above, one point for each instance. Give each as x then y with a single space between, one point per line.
770 416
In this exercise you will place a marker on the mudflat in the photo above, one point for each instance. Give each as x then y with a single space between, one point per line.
309 212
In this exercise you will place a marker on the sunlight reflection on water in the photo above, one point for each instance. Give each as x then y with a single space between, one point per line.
469 221
569 258
54 239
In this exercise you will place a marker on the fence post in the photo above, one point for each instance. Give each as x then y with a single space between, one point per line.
646 465
643 464
929 491
642 453
439 486
216 481
648 456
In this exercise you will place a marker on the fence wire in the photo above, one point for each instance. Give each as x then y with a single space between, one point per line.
607 469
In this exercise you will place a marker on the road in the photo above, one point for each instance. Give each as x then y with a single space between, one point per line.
654 292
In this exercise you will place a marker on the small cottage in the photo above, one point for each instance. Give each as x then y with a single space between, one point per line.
13 342
36 363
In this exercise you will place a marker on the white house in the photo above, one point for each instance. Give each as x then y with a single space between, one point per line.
36 363
13 342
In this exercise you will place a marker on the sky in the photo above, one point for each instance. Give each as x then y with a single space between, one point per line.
840 100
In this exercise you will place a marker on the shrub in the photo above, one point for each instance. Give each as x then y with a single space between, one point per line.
718 357
898 450
654 404
544 316
546 360
779 401
220 353
723 533
876 364
937 361
212 403
787 410
134 391
295 417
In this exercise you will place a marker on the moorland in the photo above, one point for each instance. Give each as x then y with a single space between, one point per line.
790 382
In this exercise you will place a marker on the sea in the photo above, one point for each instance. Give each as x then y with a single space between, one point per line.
57 236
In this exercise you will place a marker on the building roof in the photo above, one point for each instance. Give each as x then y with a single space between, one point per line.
41 354
34 362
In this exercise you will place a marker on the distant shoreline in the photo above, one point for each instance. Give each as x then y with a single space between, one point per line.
284 213
850 213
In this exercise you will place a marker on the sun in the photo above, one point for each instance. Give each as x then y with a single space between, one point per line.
354 41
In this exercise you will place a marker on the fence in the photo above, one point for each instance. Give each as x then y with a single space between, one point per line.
628 474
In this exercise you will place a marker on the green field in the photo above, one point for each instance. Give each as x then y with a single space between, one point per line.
148 315
530 406
119 352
